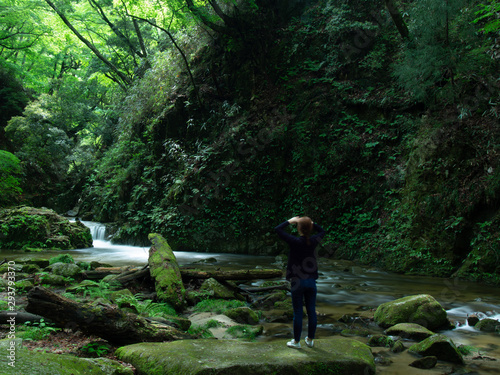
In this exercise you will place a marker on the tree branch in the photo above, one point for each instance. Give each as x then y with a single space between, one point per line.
184 58
126 80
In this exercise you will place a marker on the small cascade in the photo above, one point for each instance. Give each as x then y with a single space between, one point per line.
97 230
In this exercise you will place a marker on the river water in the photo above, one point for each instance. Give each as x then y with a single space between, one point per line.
347 288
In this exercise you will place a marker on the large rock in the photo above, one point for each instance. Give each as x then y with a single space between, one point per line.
166 273
421 309
488 325
345 356
410 331
66 270
24 361
440 347
26 227
243 315
217 290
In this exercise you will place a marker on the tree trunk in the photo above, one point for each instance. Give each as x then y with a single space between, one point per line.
109 323
397 18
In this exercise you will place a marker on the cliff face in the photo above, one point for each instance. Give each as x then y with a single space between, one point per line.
309 118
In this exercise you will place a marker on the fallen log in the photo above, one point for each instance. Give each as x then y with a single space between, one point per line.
18 317
186 273
102 272
107 322
133 275
253 274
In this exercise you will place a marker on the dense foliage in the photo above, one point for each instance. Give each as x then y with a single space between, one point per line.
10 170
212 121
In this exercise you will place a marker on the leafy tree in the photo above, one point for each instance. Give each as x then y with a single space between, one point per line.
115 73
17 31
13 98
488 13
10 171
41 146
437 52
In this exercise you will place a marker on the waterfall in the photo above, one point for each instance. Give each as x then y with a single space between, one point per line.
97 230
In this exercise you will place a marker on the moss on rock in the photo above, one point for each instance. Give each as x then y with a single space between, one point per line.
166 273
25 361
410 331
243 315
25 227
439 346
488 325
422 309
208 356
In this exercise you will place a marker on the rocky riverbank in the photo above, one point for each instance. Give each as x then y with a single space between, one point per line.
221 323
32 229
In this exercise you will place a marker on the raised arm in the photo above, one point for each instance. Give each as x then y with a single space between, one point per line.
280 229
320 232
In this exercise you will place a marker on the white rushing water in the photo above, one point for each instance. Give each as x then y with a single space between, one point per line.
105 251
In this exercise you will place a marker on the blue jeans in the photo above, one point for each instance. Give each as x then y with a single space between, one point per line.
304 292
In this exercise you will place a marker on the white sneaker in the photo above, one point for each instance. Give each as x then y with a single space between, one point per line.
293 344
309 343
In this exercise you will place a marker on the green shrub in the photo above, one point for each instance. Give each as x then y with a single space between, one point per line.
95 349
63 258
10 170
466 349
37 330
245 332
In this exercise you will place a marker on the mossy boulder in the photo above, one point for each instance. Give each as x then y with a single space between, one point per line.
409 331
24 285
243 315
425 363
271 300
50 279
339 355
488 325
421 309
165 271
25 227
66 270
30 268
217 290
439 346
381 340
37 363
9 267
37 262
398 347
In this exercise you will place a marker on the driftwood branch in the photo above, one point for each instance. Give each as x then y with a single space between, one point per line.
107 322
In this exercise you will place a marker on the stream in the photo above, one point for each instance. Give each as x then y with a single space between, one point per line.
347 288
